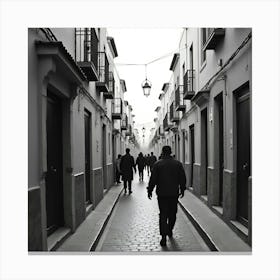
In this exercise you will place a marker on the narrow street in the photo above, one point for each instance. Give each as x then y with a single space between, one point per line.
133 226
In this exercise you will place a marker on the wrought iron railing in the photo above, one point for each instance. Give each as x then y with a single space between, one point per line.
111 83
124 122
103 68
117 106
179 98
174 115
87 45
189 82
166 122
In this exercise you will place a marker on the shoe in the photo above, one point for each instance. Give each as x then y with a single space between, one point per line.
124 191
163 241
130 192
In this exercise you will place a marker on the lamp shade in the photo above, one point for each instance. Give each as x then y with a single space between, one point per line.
146 86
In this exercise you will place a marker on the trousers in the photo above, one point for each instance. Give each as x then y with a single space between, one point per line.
167 214
125 184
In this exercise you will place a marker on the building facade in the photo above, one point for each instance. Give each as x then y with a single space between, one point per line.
205 112
76 113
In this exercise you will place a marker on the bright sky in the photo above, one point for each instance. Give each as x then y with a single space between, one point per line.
142 46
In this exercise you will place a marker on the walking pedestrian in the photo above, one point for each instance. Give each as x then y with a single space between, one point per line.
169 177
127 165
140 162
152 161
118 169
148 164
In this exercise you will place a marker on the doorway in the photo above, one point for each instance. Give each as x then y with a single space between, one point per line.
104 156
54 176
87 123
192 154
204 151
220 143
114 156
243 152
179 150
184 148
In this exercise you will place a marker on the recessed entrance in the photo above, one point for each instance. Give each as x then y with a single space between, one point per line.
87 118
104 162
243 152
219 143
54 176
192 155
204 151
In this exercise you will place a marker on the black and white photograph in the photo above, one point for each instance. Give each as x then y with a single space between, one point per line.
139 140
144 153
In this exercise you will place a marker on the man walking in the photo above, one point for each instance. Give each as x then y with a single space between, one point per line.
169 176
153 159
140 162
127 165
118 169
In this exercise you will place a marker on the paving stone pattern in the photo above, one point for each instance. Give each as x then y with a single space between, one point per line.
134 227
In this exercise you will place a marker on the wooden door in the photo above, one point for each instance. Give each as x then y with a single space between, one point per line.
243 154
87 155
54 176
221 146
204 149
104 156
192 155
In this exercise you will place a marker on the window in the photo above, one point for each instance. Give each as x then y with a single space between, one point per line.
203 41
109 141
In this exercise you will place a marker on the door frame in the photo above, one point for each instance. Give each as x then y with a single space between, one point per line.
89 202
218 149
204 150
245 91
104 154
66 123
192 153
51 97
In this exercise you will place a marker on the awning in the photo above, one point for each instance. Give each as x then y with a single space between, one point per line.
65 64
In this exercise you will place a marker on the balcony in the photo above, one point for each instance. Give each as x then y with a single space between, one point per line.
129 131
213 37
174 115
103 73
111 92
189 84
86 52
179 99
124 123
166 123
117 109
160 131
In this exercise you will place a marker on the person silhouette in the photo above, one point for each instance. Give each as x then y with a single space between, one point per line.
140 162
169 177
127 165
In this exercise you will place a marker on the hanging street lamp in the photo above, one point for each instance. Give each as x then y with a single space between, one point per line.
146 85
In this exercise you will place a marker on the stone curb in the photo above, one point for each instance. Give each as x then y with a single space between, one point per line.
202 232
103 226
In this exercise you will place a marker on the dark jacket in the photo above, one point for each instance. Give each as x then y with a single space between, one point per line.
152 160
168 175
140 161
127 165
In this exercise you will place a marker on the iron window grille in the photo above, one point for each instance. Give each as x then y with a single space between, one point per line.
174 115
189 84
103 68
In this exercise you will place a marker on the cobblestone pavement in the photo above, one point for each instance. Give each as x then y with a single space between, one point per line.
134 227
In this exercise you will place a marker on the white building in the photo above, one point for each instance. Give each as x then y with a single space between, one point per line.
75 99
211 133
